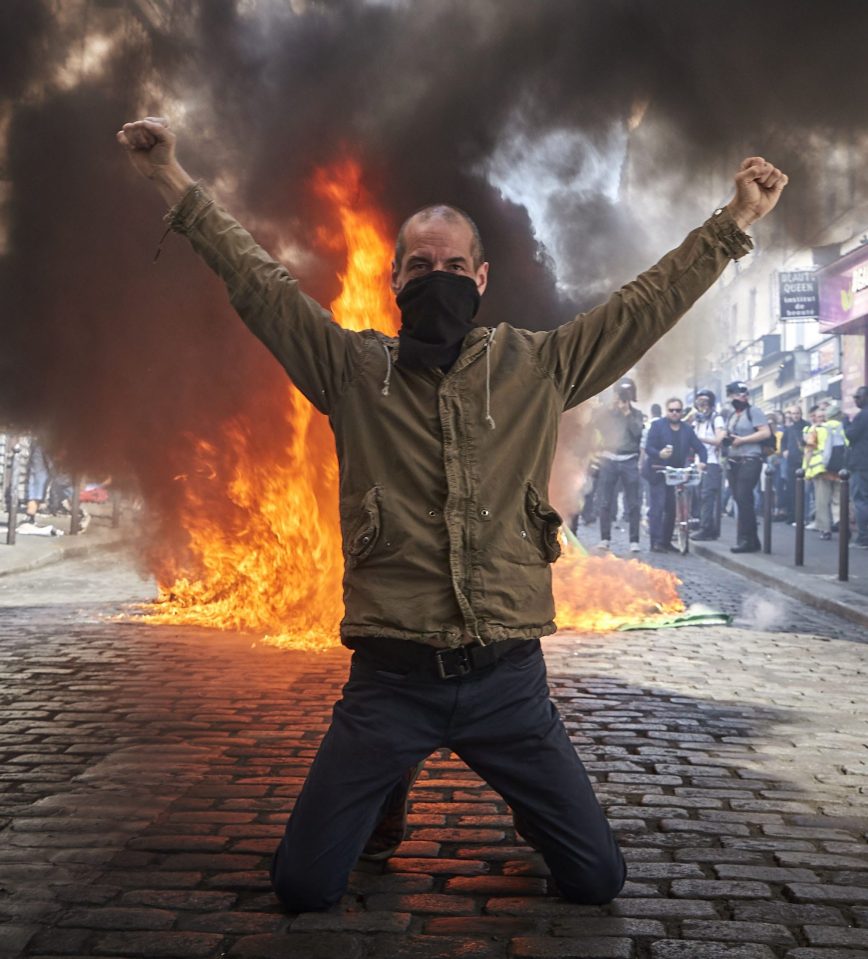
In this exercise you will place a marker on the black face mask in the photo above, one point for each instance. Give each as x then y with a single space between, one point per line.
437 312
739 405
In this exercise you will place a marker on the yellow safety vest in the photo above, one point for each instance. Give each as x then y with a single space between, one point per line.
813 463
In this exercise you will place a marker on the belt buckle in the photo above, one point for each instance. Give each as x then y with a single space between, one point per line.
462 667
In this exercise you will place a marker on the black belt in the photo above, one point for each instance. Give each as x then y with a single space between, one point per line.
420 659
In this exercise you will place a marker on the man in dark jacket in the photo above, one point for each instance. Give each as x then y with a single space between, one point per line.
445 437
669 443
857 436
792 450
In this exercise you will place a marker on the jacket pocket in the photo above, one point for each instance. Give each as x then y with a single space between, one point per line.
545 522
363 538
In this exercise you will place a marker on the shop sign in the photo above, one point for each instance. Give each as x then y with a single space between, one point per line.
844 292
799 295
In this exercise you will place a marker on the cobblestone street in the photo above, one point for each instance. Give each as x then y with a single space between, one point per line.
147 774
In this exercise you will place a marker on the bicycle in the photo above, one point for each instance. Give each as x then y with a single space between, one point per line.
682 478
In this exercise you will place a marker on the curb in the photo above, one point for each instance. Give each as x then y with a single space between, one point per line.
816 592
64 552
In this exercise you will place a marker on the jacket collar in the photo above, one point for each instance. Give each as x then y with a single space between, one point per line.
472 347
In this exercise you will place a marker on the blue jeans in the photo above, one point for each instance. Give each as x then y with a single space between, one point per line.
627 471
709 501
661 513
38 474
500 721
744 475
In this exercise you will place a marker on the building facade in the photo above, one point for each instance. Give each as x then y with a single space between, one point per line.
794 316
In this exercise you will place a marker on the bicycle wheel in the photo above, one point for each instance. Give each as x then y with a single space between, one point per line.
682 520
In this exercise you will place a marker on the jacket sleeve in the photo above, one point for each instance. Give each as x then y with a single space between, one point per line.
652 442
590 352
636 427
320 357
856 428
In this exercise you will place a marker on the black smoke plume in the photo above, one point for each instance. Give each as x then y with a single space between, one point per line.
121 361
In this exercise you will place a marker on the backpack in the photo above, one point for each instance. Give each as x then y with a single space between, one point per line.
767 446
835 448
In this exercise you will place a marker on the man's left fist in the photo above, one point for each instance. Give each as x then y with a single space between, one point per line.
758 187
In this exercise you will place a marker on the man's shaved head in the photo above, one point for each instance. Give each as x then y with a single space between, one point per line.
441 211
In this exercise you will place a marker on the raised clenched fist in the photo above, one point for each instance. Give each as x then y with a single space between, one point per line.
150 144
758 187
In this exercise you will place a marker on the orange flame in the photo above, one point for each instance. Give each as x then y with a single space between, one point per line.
264 550
601 593
365 301
260 511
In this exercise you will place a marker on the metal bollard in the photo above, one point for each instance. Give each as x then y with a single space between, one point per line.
768 502
800 517
75 511
116 508
12 491
844 528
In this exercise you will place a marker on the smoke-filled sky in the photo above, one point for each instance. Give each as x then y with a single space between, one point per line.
486 104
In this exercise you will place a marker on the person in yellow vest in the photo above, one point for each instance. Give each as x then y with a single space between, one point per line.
825 447
815 415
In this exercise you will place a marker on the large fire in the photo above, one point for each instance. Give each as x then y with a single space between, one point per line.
600 593
264 550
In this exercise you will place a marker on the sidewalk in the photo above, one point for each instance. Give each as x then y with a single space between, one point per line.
816 583
31 552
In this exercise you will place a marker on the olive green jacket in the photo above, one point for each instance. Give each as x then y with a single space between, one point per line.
448 535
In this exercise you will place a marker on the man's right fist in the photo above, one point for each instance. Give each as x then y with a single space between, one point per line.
150 145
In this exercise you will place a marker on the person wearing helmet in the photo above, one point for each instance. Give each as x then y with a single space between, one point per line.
710 429
746 431
857 436
619 426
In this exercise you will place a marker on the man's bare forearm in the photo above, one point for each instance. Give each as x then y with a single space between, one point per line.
172 181
150 145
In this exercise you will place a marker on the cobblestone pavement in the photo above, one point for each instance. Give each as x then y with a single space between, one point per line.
147 773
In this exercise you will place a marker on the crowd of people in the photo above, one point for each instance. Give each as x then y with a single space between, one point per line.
729 443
